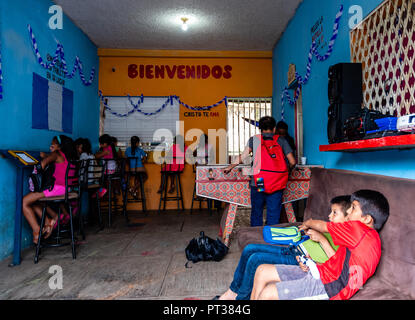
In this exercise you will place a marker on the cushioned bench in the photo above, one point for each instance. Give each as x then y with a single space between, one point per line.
395 275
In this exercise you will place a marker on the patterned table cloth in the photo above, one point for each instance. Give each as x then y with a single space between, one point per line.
233 188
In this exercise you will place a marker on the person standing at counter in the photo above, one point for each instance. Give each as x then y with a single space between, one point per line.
272 158
282 130
204 153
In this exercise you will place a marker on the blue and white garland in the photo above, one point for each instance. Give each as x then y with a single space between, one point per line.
224 100
313 53
136 107
170 100
59 54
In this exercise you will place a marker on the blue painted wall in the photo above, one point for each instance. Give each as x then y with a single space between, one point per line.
293 47
19 63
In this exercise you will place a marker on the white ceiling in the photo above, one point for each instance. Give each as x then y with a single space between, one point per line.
155 24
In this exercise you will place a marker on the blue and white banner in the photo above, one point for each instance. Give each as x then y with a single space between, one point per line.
285 95
60 54
52 106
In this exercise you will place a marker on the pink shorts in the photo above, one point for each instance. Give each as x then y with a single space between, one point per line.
56 191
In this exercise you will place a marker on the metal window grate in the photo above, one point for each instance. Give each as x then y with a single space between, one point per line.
138 124
240 112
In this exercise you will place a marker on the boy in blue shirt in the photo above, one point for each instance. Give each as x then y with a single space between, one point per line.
136 155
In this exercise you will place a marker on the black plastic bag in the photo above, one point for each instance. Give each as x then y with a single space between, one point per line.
205 249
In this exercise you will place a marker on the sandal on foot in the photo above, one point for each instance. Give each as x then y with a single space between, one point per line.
49 228
35 238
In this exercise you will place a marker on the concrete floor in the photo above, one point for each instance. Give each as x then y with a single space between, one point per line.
122 262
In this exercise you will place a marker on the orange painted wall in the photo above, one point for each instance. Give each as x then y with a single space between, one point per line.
251 76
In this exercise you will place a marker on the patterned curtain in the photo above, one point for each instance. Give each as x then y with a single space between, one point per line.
384 43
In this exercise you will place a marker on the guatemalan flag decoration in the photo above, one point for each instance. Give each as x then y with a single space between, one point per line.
52 105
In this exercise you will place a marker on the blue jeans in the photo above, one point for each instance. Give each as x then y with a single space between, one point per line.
258 201
252 257
85 205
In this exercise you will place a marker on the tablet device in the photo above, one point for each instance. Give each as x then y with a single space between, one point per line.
315 250
23 157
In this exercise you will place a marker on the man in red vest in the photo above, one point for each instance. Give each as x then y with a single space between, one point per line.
272 158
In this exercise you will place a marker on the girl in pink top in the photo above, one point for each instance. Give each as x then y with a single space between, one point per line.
61 148
107 152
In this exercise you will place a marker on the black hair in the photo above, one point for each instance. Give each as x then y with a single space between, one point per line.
78 142
267 123
86 146
85 143
282 125
67 146
134 141
343 201
106 138
113 141
373 203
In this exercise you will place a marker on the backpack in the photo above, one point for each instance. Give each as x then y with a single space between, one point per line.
284 236
42 179
205 249
270 167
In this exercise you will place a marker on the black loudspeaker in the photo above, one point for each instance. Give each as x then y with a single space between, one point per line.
345 83
345 96
338 114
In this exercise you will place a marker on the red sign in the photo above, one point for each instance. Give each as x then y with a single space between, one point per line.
151 71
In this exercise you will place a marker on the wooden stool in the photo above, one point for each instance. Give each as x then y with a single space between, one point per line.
164 185
72 193
142 198
92 178
111 177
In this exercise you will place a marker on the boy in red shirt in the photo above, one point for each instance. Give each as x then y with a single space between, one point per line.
343 274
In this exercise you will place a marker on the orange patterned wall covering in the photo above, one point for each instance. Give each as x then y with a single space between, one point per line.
384 43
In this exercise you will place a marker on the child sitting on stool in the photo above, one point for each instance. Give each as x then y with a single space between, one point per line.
84 149
136 155
62 150
108 154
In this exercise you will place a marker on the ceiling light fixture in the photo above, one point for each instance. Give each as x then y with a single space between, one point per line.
184 25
